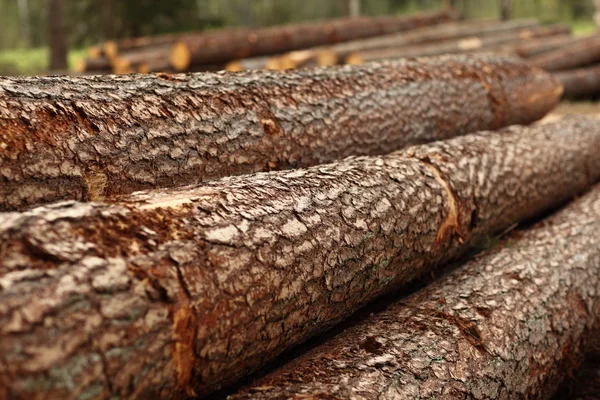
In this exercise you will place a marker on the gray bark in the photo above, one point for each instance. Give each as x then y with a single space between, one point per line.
90 137
510 324
178 292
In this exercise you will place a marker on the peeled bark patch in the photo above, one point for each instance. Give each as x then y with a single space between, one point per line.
89 137
510 324
177 292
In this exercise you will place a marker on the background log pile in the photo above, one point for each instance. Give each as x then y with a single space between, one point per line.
167 236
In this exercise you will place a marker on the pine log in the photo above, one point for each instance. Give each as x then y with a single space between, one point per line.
226 46
577 55
439 33
112 49
466 45
335 54
510 324
534 47
86 138
582 82
129 62
179 291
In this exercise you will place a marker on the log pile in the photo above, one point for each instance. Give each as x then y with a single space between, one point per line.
86 138
214 221
206 51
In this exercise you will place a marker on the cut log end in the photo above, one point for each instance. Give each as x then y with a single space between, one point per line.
121 66
354 59
180 57
94 52
234 66
327 58
110 49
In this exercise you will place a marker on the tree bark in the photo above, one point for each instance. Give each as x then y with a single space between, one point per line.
583 82
341 51
466 45
177 292
581 54
505 10
226 46
58 39
509 324
86 138
535 47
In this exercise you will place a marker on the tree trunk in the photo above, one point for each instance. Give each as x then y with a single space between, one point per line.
58 39
467 45
341 51
581 54
229 45
352 8
85 138
505 10
578 83
597 13
180 291
509 324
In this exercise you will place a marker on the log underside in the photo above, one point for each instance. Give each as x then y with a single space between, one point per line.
178 292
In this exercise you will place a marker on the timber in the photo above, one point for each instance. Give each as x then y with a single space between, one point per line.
509 324
176 292
466 45
581 54
226 46
582 82
86 138
335 54
535 47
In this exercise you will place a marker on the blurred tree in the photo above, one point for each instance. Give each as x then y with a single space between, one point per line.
505 9
58 39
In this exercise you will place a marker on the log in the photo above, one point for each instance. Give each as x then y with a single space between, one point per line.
226 46
86 138
112 49
130 62
577 55
582 82
98 64
177 292
331 55
534 47
466 45
509 324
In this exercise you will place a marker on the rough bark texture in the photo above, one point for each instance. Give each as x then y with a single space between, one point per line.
580 82
175 292
231 45
84 138
467 45
508 325
580 54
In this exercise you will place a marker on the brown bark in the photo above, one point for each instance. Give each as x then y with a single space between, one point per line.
510 324
85 138
583 82
175 292
577 55
421 36
466 45
226 46
534 47
58 39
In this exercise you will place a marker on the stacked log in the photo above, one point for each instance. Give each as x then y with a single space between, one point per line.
176 292
581 82
336 54
89 137
235 44
467 45
201 51
583 53
509 324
